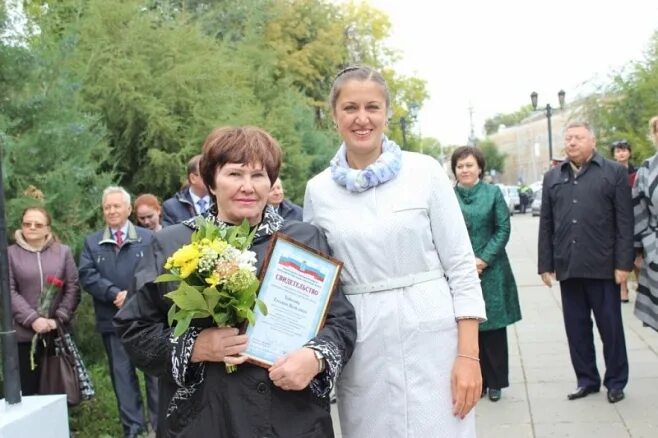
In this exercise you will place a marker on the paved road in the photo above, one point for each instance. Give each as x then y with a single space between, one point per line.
535 405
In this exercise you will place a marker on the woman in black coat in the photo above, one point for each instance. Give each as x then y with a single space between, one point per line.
197 397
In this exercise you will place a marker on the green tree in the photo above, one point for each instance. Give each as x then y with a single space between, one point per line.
494 159
51 150
621 108
491 125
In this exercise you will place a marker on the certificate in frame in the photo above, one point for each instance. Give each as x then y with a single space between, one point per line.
297 285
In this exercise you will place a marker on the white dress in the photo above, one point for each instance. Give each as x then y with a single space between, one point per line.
397 383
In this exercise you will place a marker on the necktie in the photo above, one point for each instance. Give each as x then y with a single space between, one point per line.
202 205
118 237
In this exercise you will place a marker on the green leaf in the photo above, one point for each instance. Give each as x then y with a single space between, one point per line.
164 278
220 319
250 238
187 297
250 317
261 306
211 296
171 314
183 324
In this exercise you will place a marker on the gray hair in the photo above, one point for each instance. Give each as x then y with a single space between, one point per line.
360 73
581 124
116 189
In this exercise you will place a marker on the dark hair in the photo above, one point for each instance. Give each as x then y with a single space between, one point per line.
620 144
39 209
244 145
359 73
149 200
466 151
193 165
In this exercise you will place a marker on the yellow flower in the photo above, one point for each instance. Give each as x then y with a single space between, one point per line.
186 258
218 246
213 280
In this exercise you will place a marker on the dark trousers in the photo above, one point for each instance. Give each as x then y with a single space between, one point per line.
126 388
29 377
494 360
580 298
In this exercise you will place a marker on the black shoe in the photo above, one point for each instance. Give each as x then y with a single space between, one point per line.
615 395
582 391
484 392
494 394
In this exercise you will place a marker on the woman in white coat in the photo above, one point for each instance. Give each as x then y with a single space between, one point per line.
393 219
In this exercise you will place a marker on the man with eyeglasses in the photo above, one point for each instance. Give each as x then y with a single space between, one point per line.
586 241
108 262
191 201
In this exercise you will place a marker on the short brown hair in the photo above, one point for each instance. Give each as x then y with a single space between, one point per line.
243 145
466 151
149 200
360 73
41 210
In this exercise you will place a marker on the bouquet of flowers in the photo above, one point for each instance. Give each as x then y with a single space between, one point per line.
53 285
216 275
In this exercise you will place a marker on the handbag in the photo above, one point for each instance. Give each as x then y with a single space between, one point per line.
58 374
84 380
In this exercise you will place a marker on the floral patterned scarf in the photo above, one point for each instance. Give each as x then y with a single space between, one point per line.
384 169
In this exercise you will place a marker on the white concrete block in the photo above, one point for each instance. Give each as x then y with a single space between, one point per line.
44 416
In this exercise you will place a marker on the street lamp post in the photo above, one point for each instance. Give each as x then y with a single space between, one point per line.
11 378
549 112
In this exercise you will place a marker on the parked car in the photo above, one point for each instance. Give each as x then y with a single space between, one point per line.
508 199
535 207
514 196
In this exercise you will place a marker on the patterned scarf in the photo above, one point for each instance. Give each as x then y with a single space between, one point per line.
384 169
271 223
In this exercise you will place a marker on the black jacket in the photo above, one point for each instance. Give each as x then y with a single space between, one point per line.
242 404
104 271
290 211
586 223
178 208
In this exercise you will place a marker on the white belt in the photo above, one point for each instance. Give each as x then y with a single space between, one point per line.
393 283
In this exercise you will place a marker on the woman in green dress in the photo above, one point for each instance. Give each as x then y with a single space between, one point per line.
488 223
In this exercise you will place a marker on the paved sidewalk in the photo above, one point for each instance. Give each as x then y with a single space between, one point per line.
535 405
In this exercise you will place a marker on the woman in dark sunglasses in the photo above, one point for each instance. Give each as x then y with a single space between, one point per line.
37 261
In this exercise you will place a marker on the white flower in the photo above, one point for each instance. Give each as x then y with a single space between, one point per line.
247 260
231 253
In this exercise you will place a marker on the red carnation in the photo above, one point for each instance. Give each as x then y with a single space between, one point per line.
55 281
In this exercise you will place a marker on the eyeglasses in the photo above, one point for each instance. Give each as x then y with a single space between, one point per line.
621 144
36 225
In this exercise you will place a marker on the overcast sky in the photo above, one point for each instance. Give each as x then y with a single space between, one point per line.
493 54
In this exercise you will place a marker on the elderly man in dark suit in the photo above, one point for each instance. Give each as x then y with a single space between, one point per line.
107 271
586 240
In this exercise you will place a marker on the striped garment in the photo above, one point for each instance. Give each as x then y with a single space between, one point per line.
645 209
